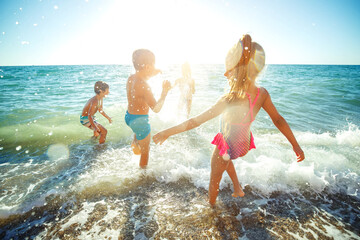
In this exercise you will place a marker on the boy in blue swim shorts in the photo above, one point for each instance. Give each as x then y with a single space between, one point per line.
140 99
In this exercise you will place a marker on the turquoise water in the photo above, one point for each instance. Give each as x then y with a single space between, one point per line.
44 150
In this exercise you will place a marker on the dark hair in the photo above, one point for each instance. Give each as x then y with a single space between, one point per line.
100 85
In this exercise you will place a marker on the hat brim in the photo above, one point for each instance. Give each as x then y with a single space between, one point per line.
233 56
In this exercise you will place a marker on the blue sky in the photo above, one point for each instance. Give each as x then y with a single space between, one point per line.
51 32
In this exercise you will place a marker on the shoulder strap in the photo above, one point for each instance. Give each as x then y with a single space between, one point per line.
252 104
257 95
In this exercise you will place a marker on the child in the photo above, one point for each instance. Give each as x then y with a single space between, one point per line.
140 98
95 104
187 88
239 108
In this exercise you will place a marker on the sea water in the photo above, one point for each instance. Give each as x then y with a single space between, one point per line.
49 162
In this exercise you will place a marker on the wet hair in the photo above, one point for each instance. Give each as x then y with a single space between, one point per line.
100 85
142 58
251 63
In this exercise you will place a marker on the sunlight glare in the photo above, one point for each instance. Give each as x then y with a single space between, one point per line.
162 28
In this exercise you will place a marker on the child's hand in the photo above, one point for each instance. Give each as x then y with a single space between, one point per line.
110 120
157 71
166 85
299 153
160 137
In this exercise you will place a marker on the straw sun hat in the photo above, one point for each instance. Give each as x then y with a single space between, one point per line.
255 54
233 56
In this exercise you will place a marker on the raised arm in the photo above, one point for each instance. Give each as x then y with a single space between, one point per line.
156 106
192 86
191 123
283 126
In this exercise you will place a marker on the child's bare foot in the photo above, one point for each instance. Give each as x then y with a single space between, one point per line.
96 134
135 148
238 193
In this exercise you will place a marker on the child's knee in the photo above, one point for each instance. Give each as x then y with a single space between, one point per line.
103 131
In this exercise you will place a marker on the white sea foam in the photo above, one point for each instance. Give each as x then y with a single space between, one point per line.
271 167
330 164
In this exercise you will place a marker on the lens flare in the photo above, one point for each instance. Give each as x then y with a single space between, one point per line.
58 152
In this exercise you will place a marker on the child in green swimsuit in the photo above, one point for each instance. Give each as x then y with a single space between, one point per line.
95 104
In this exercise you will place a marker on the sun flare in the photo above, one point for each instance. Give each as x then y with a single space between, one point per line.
173 36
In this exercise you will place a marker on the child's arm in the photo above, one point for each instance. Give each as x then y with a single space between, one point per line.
91 112
156 106
191 123
104 114
283 126
176 83
192 86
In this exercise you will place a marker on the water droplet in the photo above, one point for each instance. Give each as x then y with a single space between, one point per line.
16 23
1 148
18 148
27 151
56 7
50 133
16 130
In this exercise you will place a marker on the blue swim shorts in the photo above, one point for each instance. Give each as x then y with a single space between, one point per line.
139 124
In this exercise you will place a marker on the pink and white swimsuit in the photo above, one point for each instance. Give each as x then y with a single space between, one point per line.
238 139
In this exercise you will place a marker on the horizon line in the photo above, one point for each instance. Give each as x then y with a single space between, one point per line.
130 64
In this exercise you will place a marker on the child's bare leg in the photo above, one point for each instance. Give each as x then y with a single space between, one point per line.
103 133
144 148
218 166
135 146
238 192
96 133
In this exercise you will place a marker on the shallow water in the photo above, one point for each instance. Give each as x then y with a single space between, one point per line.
57 182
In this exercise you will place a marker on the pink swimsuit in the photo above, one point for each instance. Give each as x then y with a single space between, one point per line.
238 140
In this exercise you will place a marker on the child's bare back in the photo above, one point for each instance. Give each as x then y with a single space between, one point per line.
140 99
137 95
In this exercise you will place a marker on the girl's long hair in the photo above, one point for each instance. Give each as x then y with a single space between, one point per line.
238 77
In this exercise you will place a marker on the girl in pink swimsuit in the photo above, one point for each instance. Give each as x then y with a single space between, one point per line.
238 110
